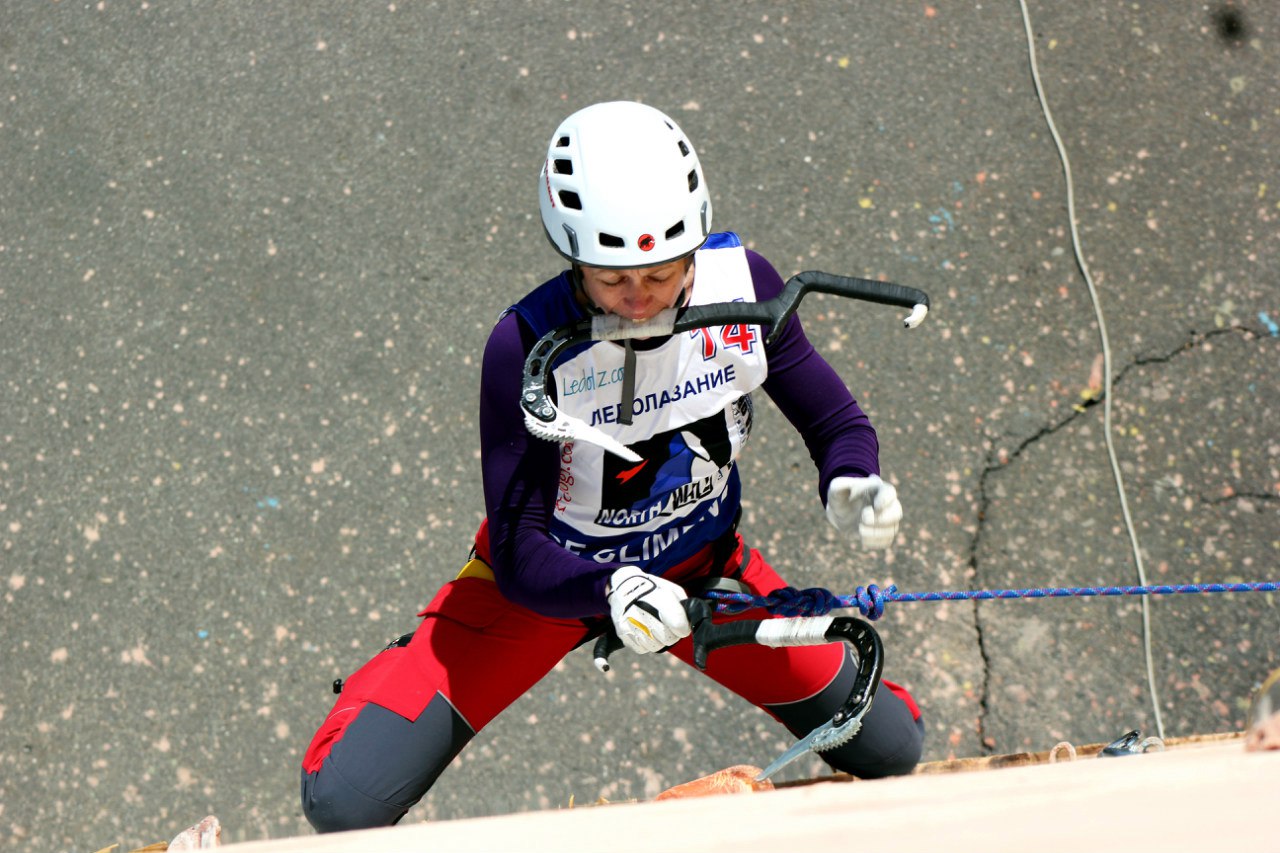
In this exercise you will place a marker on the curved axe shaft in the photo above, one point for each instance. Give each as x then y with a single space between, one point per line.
862 639
544 419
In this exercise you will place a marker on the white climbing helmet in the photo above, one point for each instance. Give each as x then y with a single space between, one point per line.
622 188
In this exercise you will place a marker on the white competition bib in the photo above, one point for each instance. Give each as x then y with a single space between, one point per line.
691 415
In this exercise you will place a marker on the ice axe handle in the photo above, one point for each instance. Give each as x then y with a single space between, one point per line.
851 287
606 644
707 636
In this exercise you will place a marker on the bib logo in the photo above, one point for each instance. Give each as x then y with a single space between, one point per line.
677 470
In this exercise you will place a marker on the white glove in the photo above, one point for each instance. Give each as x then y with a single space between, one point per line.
646 610
867 504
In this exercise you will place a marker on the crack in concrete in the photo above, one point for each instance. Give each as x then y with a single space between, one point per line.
998 460
1241 496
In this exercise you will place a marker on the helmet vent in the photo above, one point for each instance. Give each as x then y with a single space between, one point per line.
675 230
684 149
562 142
564 167
693 179
570 199
611 242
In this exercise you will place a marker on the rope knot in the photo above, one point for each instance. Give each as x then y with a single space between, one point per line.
814 601
871 600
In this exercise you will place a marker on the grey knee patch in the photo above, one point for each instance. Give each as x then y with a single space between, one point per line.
332 804
889 743
382 766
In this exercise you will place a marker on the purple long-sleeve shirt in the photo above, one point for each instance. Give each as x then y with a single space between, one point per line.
521 472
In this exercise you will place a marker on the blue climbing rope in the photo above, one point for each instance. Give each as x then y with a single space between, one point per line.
870 600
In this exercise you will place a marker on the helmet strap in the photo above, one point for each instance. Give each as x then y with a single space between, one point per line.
580 290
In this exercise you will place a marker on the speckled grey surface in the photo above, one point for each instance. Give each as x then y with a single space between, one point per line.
249 255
